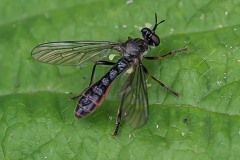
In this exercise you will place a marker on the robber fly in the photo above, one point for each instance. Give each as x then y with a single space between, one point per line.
134 103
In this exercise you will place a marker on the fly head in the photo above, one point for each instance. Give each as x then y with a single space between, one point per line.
150 36
134 47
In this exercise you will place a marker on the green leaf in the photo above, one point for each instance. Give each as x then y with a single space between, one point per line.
36 114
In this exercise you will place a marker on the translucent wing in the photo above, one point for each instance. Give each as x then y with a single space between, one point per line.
134 103
72 52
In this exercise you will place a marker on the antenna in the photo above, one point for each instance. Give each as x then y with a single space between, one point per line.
156 23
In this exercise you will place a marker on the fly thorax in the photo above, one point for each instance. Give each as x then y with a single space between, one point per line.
135 47
136 61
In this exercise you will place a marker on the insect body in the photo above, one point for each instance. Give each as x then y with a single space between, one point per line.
134 103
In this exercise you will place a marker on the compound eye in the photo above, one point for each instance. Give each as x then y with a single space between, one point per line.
155 40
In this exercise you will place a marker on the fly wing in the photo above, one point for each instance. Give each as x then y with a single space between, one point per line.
134 103
72 52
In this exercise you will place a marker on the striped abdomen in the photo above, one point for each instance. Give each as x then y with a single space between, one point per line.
93 96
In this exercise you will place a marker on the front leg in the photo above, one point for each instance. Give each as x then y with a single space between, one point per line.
167 54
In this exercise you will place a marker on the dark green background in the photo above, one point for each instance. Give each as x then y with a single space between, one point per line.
36 114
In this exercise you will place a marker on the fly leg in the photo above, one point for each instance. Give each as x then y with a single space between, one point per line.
119 116
75 97
159 58
118 121
94 68
167 54
92 76
159 82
